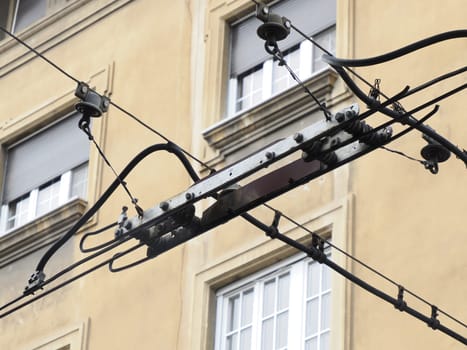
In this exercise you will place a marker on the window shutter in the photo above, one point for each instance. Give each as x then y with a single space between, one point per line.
310 16
44 156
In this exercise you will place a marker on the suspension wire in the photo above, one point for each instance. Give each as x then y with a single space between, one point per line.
279 55
138 120
315 43
423 162
361 78
123 110
40 55
84 125
310 39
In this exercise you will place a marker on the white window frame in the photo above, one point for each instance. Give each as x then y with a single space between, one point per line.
306 71
66 184
51 6
297 267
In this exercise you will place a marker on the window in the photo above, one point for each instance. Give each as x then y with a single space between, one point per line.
43 172
69 338
254 75
16 15
287 306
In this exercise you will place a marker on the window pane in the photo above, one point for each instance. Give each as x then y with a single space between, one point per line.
326 278
311 344
324 341
79 181
48 197
282 329
283 292
250 89
312 314
232 341
327 40
245 339
233 312
269 293
29 11
18 212
312 280
247 307
267 333
325 311
281 77
247 49
281 316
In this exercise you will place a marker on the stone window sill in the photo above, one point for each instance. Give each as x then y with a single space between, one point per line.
40 232
231 135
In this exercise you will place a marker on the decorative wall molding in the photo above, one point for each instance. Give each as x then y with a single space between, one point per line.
54 29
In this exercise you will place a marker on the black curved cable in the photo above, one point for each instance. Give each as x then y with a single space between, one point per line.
133 264
169 147
66 270
61 285
455 34
97 247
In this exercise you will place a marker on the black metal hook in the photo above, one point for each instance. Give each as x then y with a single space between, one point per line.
431 166
85 125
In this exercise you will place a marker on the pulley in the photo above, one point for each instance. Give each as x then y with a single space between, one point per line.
434 151
274 28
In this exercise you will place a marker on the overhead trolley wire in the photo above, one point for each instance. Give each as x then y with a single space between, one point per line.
318 254
362 263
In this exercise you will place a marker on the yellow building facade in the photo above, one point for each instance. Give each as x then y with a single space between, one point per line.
192 71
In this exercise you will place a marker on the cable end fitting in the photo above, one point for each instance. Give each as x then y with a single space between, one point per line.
434 322
317 244
92 104
400 305
35 282
273 230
